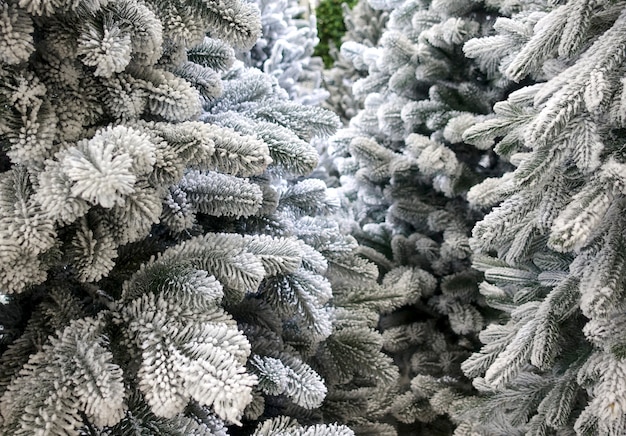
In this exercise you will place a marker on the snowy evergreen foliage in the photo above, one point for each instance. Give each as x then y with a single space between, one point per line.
163 268
173 262
290 317
364 26
285 50
552 248
405 172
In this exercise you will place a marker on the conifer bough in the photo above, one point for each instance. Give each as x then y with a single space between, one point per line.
163 272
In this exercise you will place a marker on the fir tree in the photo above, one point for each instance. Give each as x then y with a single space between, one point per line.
337 340
285 50
552 248
163 270
405 172
364 27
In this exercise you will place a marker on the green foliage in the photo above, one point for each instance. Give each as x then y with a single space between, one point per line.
330 27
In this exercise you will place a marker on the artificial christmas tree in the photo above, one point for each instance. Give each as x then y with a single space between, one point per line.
163 270
405 172
364 27
552 248
285 50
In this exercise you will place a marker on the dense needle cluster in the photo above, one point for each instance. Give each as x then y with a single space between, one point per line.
191 245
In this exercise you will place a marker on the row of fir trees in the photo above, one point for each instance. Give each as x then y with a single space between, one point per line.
205 232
